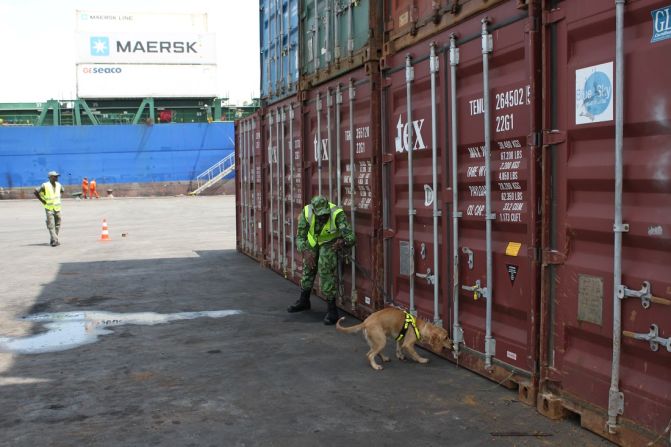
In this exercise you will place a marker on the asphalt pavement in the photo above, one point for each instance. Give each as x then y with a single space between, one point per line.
165 335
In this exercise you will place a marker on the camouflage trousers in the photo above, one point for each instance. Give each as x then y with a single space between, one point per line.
327 266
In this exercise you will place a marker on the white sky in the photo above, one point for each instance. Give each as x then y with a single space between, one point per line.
37 49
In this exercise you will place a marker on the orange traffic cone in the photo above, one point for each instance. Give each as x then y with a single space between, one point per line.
105 236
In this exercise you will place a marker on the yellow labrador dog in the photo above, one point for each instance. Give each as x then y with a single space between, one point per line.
406 329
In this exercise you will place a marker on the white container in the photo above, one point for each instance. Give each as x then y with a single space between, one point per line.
144 81
95 21
145 48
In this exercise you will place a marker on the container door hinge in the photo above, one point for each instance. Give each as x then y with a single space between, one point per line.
615 402
387 158
553 16
551 137
553 257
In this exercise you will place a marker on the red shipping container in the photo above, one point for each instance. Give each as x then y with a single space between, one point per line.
341 129
283 177
444 276
411 21
250 222
528 238
627 400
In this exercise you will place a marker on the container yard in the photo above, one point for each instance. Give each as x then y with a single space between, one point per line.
504 169
486 180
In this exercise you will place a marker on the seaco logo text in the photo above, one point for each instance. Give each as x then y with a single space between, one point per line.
101 70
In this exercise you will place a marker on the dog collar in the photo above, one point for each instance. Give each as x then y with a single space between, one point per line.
410 320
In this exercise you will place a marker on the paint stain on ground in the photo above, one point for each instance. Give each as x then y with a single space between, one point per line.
469 400
142 376
68 330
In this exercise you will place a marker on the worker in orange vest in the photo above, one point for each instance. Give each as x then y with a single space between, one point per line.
85 187
92 189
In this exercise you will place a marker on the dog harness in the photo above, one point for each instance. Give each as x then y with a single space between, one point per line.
410 320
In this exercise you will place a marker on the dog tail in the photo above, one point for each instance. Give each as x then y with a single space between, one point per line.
348 330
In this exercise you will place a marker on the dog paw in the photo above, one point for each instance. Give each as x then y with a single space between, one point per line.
377 367
385 359
422 360
400 357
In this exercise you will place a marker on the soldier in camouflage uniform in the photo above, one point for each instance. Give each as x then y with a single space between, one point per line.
323 230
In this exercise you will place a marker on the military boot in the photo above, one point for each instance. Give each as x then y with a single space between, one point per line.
332 314
303 303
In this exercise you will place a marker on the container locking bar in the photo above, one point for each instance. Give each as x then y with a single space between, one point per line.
478 291
645 294
430 279
652 337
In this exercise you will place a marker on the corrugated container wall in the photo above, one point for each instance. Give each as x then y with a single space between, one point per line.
146 80
340 37
410 21
488 159
142 55
284 185
163 47
460 180
105 21
249 167
341 122
310 152
606 348
279 48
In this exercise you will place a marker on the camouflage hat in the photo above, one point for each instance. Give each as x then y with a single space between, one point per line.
320 205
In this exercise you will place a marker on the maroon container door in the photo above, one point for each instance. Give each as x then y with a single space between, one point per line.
514 171
238 188
257 192
329 133
293 181
581 157
284 185
398 127
246 187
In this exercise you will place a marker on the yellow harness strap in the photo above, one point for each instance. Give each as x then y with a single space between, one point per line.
410 320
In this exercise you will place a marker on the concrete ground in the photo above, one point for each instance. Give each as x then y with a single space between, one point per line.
258 378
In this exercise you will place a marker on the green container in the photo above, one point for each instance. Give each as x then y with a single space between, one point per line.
340 30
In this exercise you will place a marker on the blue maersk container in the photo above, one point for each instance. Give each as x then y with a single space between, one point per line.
279 48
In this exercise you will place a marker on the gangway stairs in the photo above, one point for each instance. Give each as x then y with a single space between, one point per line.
214 174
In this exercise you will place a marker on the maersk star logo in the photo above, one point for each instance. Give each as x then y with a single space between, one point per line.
100 46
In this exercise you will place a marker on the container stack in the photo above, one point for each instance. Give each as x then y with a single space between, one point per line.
501 182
